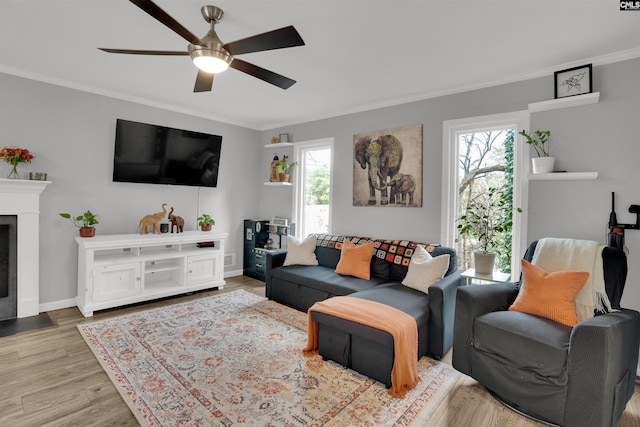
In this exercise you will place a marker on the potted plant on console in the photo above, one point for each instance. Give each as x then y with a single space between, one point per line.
544 162
205 222
483 218
284 168
84 222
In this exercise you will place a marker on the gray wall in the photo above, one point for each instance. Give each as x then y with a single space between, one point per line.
598 137
72 134
603 138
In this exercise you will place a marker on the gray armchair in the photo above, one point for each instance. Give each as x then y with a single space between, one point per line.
573 377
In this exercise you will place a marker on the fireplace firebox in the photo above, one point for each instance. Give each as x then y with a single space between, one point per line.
8 267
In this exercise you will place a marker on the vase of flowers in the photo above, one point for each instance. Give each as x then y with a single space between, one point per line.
15 156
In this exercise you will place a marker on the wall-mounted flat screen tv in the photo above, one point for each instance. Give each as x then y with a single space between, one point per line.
146 153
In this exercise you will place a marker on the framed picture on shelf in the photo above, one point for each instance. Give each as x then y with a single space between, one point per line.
572 81
284 137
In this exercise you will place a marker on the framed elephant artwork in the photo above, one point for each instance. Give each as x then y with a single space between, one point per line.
387 167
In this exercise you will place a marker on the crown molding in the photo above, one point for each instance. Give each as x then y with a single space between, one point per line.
545 72
118 95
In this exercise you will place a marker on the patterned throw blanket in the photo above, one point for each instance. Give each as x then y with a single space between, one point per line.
394 251
401 326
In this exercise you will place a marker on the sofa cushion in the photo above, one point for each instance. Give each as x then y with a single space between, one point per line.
424 270
355 260
328 247
301 252
410 301
523 340
323 278
380 268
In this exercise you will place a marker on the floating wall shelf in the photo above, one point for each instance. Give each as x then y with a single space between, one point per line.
562 176
279 144
570 101
278 184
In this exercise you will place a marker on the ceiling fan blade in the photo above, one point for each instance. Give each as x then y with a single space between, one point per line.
204 82
259 72
146 52
276 39
154 10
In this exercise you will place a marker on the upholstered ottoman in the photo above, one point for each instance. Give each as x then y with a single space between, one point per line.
365 349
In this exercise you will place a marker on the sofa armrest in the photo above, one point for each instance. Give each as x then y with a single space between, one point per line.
473 301
442 304
274 260
603 357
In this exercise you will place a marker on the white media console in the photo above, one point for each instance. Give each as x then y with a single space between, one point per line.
120 269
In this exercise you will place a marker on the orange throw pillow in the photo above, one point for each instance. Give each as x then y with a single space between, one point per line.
550 295
355 260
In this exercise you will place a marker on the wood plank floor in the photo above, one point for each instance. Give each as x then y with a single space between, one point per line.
49 377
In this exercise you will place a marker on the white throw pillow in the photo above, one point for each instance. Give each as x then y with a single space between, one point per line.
301 253
425 270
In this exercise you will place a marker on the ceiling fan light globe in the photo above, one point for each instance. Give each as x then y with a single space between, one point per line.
210 64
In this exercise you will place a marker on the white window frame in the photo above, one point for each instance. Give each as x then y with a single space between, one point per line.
299 148
451 129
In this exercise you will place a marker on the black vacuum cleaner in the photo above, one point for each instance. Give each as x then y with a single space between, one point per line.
616 230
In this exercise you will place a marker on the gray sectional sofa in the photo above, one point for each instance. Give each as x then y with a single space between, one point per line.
362 348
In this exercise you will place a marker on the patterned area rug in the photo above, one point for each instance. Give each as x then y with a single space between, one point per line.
236 359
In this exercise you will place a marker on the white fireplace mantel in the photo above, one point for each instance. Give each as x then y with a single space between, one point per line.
22 198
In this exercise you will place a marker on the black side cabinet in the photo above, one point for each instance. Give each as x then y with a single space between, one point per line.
256 233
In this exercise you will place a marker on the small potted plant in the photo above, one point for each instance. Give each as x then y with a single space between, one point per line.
544 162
84 222
205 222
284 168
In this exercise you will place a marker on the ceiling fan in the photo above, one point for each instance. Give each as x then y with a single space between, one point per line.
211 56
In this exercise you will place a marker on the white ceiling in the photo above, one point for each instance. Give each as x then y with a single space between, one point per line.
359 54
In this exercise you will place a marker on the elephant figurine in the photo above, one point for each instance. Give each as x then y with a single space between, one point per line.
402 187
176 221
153 220
383 157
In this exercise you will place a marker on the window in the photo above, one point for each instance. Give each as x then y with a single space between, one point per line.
312 199
477 149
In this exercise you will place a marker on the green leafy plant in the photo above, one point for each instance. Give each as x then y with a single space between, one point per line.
485 216
86 220
205 219
541 138
285 166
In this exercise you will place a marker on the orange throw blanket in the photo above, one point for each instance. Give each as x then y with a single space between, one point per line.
401 326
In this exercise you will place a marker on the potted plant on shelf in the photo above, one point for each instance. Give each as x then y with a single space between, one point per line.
483 218
544 162
84 222
205 222
284 168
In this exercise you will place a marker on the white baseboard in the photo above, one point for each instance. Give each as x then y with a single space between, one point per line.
71 302
232 273
57 305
